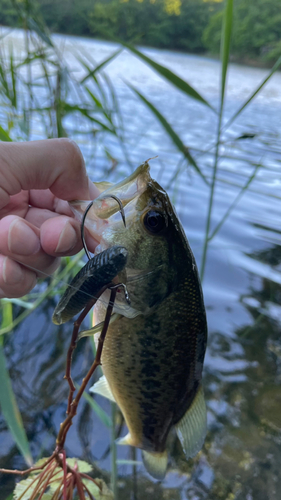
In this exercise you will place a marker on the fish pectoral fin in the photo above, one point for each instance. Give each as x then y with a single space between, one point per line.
192 428
102 388
126 440
98 328
155 463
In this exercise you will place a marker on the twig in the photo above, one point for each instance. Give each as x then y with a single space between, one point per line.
31 469
72 346
64 427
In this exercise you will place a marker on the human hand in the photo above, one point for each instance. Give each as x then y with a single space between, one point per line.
36 224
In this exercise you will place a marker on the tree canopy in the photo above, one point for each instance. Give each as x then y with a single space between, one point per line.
189 25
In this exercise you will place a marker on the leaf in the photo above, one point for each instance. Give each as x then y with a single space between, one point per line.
103 416
81 464
33 25
273 70
170 76
14 79
25 488
4 136
10 409
225 44
68 108
174 136
92 72
234 203
99 493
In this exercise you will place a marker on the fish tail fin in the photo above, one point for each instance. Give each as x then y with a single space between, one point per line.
155 463
192 428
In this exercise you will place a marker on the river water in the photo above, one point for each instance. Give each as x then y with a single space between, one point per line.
241 458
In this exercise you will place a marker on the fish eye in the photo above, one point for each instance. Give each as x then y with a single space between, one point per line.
154 221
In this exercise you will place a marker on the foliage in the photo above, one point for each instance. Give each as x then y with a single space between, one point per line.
50 483
256 29
191 25
163 23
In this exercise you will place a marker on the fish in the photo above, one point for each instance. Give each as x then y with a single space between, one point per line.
153 353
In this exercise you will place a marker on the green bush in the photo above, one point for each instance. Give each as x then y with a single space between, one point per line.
256 30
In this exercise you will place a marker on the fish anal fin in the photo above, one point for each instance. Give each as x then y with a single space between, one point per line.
102 388
126 440
155 463
192 427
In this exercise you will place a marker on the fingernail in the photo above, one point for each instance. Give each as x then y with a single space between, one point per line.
67 240
12 272
22 240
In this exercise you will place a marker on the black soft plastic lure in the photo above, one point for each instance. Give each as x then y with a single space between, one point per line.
91 279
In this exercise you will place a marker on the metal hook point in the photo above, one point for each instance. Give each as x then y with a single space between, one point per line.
82 230
121 208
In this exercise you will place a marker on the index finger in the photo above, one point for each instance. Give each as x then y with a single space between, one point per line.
55 164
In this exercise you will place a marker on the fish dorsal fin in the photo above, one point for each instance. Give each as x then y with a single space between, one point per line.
192 428
155 463
102 388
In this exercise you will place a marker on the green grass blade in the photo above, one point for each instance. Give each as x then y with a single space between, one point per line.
174 136
10 409
273 70
234 203
102 415
170 76
113 450
4 136
33 26
225 49
225 44
68 108
18 302
92 72
14 80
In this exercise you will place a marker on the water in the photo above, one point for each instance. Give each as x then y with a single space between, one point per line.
241 458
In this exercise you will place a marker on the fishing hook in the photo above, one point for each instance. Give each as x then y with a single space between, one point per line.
121 210
126 293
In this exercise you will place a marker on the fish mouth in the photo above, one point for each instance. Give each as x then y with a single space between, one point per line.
105 210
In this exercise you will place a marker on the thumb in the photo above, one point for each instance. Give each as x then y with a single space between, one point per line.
55 164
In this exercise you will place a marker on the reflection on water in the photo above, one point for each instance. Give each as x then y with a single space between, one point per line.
241 459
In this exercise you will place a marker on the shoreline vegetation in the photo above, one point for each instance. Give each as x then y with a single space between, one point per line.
188 26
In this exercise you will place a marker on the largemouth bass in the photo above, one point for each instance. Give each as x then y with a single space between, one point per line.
154 349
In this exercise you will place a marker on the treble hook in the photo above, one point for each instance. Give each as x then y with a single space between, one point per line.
85 215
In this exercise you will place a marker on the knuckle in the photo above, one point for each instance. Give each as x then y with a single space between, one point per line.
74 153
